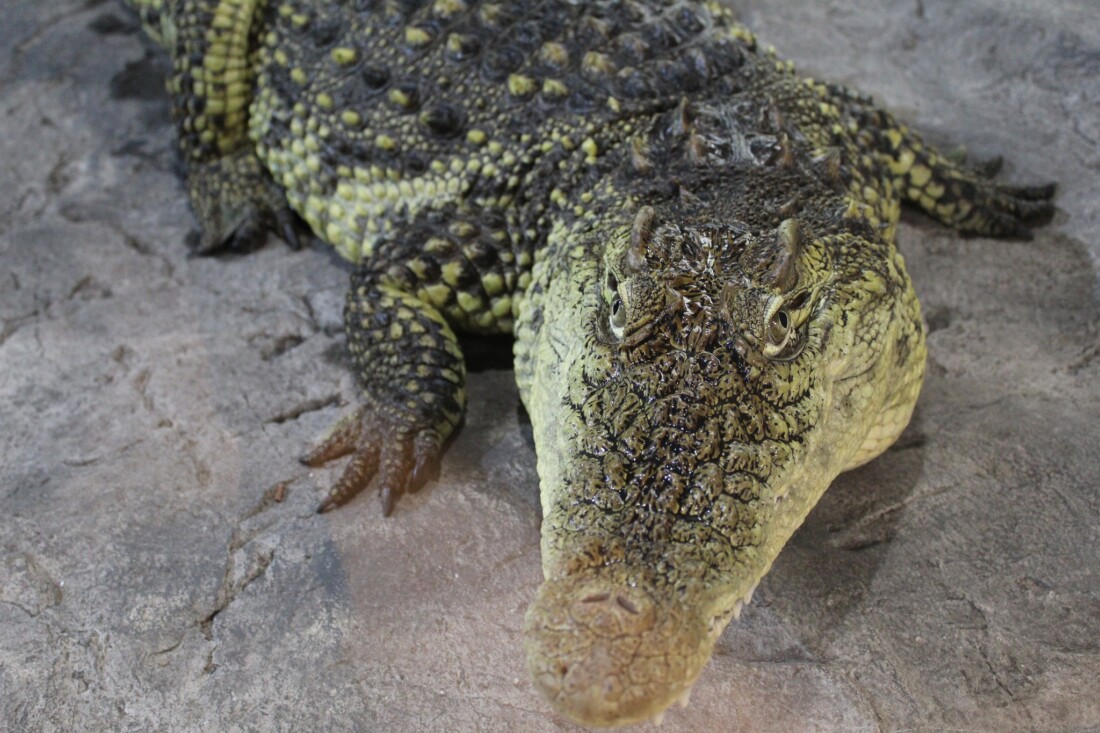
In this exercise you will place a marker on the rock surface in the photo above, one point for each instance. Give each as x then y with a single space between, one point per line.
161 567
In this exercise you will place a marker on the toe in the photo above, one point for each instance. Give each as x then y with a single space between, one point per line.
356 477
396 461
342 441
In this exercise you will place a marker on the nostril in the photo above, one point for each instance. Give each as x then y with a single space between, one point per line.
596 598
627 605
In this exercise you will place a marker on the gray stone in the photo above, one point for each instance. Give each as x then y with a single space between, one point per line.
152 405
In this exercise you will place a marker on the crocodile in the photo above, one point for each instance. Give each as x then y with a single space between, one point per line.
692 244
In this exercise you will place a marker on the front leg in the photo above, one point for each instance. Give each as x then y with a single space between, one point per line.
414 392
213 48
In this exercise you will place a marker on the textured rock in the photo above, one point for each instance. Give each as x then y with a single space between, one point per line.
152 405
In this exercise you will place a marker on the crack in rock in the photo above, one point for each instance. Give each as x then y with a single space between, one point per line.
254 564
247 559
302 408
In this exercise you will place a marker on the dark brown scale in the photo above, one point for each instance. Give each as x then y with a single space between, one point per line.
462 46
499 63
495 16
687 20
482 255
660 36
326 32
397 11
582 100
633 84
676 75
444 120
725 56
414 163
527 35
594 31
631 48
375 78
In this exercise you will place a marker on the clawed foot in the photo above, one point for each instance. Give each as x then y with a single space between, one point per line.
1002 210
249 232
1009 210
401 455
237 204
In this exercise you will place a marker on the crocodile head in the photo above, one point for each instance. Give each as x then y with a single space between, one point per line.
701 387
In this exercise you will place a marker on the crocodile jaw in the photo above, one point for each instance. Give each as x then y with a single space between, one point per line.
606 649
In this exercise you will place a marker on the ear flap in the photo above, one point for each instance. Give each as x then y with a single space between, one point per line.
641 235
779 258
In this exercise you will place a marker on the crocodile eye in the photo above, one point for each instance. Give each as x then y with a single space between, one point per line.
779 327
779 332
618 317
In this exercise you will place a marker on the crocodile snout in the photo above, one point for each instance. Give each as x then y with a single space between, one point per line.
605 651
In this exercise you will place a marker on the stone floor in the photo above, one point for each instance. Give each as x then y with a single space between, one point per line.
152 405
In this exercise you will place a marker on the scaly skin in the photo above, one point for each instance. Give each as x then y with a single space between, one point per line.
693 246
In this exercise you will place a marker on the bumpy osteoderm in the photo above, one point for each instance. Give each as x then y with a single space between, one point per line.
693 245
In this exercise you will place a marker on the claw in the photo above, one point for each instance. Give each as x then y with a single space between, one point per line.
1043 192
327 505
991 167
1025 203
425 463
1007 226
423 472
249 236
1034 211
1004 211
387 496
287 227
